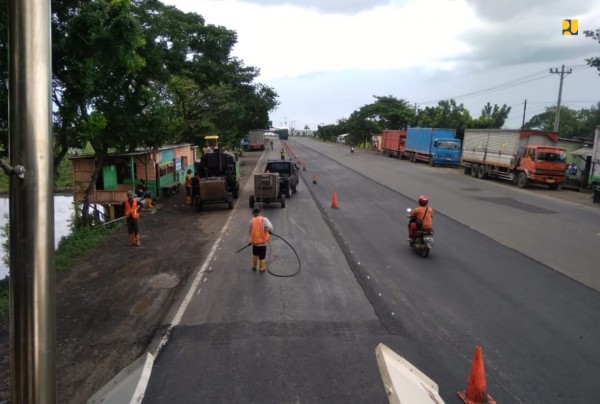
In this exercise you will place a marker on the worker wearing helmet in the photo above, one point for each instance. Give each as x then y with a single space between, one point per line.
260 232
422 215
131 207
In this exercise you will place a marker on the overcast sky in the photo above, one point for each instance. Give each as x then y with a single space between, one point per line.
327 58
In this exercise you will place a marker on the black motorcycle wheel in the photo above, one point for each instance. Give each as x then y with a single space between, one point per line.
424 251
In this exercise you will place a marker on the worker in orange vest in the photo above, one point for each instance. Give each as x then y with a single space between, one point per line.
260 232
188 187
132 215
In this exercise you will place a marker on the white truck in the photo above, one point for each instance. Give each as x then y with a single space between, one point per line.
256 139
520 156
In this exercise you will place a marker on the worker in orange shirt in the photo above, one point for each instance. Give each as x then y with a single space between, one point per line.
421 217
260 232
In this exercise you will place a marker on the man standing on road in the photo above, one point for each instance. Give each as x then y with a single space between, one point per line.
260 232
188 187
131 207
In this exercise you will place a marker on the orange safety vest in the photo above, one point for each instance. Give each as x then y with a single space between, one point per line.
258 235
131 209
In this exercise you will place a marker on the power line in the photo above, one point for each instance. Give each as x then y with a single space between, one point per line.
513 83
509 84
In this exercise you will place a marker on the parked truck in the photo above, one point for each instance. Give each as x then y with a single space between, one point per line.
520 156
392 143
435 146
256 139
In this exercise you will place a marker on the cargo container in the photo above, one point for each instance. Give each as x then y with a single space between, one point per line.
256 139
520 156
392 143
435 146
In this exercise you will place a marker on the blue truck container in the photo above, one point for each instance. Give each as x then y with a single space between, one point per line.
435 146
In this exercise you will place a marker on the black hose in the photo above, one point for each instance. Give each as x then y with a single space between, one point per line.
298 257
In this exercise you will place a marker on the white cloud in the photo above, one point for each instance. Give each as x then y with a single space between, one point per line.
327 58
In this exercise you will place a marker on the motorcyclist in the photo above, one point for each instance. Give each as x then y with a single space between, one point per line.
351 147
422 213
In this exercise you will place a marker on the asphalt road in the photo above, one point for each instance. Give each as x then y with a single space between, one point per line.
248 337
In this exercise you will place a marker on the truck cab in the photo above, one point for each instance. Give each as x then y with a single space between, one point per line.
288 175
543 164
445 152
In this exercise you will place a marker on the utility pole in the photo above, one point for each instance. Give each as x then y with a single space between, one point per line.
524 110
562 73
32 295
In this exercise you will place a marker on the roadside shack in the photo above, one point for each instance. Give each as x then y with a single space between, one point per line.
158 171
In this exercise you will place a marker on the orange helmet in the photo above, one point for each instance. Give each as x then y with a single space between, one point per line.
423 200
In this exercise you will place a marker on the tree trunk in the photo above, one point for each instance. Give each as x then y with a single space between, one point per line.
86 220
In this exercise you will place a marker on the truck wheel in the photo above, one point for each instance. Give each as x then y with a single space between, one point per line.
294 188
431 161
474 169
282 202
413 158
481 173
251 201
522 180
288 192
236 191
553 186
401 156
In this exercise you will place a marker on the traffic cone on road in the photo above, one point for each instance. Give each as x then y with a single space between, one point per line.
476 392
334 201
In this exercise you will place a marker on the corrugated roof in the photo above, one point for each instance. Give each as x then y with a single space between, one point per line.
584 151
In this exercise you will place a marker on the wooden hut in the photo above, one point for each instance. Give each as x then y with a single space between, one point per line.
161 170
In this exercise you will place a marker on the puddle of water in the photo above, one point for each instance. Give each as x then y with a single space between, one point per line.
63 210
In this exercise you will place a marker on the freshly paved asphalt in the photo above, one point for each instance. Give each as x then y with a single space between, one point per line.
494 279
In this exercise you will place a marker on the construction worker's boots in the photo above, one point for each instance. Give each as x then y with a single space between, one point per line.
263 266
137 240
149 203
188 200
131 239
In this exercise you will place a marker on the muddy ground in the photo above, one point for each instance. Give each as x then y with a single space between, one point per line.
111 303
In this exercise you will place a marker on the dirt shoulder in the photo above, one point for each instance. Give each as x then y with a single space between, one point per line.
112 302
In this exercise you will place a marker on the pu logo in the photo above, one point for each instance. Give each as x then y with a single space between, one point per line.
570 27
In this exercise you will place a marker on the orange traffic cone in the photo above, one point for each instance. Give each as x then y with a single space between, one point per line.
334 202
476 386
314 178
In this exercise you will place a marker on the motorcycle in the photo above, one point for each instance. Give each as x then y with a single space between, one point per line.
423 238
352 149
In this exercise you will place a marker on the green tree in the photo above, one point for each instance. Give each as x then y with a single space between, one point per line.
389 112
447 114
491 117
572 122
593 61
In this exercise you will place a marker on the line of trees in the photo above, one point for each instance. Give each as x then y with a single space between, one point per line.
393 113
138 73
